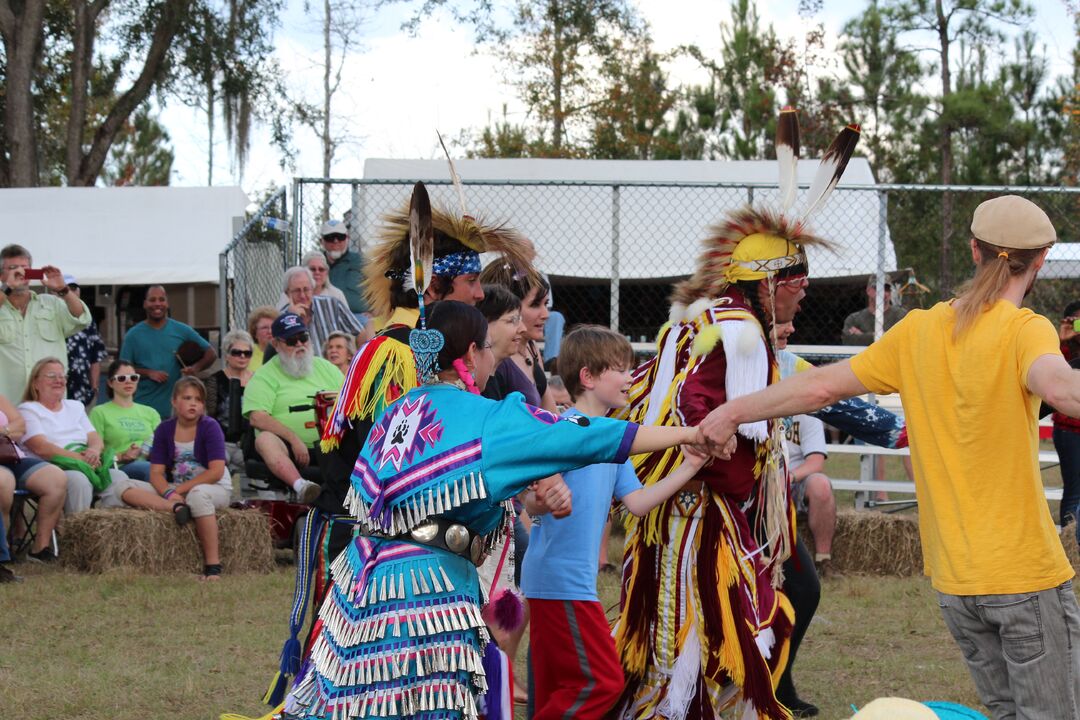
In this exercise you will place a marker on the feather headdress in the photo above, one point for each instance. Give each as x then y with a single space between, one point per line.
392 239
714 268
710 278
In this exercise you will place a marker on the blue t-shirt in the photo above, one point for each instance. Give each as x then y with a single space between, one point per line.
562 560
146 347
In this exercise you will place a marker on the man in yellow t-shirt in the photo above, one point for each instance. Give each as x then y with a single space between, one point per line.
970 373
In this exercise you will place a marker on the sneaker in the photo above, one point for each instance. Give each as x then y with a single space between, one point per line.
6 576
306 491
44 556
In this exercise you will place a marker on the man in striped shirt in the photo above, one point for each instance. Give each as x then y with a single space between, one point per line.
322 315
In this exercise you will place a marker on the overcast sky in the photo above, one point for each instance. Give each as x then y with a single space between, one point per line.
398 89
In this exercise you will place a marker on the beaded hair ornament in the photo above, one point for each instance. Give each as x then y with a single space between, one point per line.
425 343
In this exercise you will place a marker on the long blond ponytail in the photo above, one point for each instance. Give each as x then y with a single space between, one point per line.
996 265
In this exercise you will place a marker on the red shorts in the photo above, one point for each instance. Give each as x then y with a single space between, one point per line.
575 670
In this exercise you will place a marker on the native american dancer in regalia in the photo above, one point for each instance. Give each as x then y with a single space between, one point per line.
703 626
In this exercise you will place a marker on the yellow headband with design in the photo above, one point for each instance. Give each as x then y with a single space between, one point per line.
758 256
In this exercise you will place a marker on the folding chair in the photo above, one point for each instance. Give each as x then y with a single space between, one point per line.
23 528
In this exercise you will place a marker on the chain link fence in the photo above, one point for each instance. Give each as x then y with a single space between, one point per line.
253 264
613 251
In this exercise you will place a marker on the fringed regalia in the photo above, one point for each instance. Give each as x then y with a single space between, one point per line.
702 625
400 632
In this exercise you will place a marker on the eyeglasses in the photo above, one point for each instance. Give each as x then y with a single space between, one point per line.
486 346
334 238
317 269
54 376
134 377
512 320
793 283
297 339
241 353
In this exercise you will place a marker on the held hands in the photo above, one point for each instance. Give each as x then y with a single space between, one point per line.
694 457
718 429
553 493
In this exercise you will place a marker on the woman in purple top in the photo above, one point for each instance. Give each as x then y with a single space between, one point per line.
188 462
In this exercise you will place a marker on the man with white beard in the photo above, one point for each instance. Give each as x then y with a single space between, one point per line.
288 441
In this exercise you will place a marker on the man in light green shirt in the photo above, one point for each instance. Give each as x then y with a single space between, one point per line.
287 440
33 326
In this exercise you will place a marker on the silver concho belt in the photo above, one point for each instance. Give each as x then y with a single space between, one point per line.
448 535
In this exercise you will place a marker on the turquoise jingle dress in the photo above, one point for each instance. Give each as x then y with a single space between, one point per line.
401 634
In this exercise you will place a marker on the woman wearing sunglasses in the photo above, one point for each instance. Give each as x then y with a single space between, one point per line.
222 393
125 426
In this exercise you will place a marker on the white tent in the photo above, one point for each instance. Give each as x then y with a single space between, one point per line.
1063 261
650 230
125 236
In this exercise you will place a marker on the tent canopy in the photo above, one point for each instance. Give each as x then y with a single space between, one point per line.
651 231
1063 261
125 236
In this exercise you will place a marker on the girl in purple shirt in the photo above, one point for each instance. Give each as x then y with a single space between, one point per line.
188 461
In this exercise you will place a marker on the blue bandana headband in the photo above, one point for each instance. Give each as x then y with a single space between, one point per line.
466 262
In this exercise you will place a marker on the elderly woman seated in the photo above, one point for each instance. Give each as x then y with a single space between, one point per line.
59 431
44 481
223 396
339 349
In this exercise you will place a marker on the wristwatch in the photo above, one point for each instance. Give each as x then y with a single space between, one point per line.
62 292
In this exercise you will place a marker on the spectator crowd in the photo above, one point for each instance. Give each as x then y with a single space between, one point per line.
178 422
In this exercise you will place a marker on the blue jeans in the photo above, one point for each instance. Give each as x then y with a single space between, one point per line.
1067 444
1022 650
137 470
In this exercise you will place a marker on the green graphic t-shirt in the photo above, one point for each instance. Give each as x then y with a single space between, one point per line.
120 428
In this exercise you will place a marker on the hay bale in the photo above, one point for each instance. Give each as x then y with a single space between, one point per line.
1072 550
150 542
873 543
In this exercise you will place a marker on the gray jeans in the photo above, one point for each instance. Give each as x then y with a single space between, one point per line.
1023 650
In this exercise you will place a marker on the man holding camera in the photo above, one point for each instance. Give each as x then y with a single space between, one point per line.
32 325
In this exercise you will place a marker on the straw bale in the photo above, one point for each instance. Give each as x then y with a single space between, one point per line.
872 543
1072 550
150 542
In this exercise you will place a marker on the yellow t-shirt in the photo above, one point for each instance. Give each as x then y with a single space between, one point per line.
973 426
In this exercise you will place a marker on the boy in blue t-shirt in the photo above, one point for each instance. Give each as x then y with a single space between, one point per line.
575 668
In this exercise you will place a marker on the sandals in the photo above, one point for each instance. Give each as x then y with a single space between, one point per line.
211 573
181 513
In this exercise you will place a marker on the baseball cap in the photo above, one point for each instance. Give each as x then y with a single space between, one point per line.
1011 221
333 227
286 325
70 280
871 282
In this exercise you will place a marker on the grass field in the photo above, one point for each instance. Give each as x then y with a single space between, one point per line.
127 647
